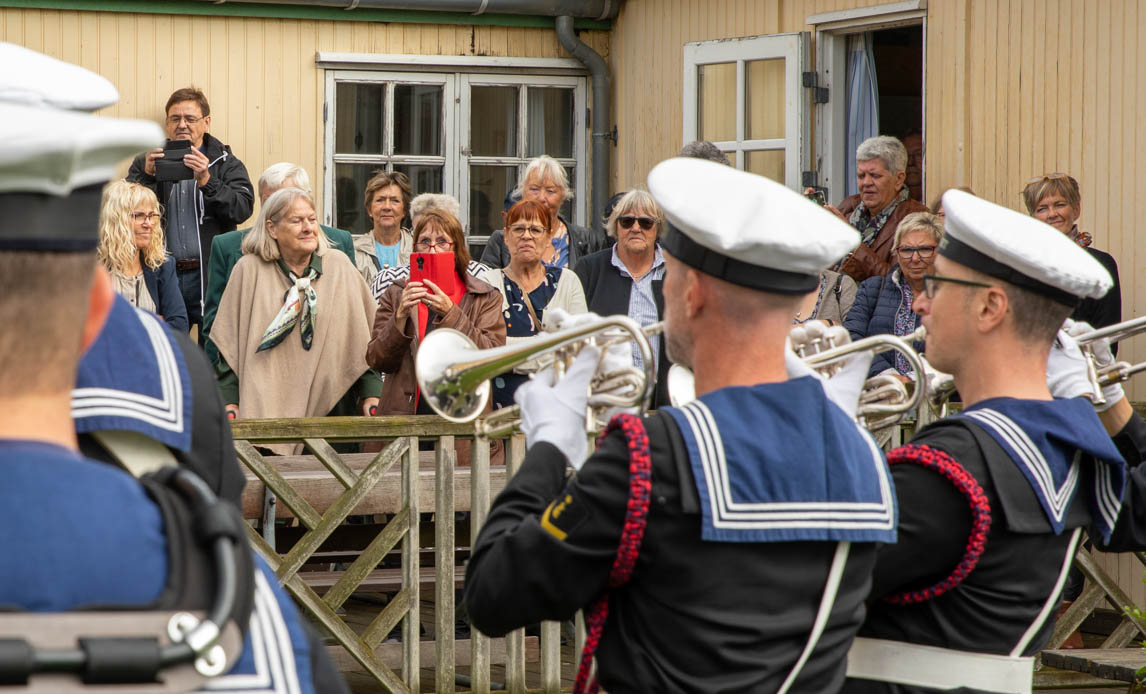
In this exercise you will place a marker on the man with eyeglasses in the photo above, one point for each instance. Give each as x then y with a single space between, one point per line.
196 210
992 501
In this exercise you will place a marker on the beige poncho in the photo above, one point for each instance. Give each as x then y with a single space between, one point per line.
287 380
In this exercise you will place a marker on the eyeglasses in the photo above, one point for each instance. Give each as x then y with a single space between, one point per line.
628 221
141 217
925 252
538 190
427 246
929 282
191 120
522 229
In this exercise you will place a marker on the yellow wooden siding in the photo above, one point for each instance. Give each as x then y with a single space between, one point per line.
259 75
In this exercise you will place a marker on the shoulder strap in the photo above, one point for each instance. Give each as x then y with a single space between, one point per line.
827 602
636 519
136 453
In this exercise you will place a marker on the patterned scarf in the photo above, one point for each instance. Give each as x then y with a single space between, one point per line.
906 321
1080 237
869 226
300 305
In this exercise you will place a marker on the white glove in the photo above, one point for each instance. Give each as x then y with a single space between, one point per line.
617 356
558 319
555 412
1066 352
845 386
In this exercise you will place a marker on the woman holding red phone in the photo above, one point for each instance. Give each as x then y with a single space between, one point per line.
440 291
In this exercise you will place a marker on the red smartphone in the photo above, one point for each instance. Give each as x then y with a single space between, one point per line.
436 267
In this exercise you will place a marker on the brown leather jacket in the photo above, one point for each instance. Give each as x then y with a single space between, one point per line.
875 260
392 348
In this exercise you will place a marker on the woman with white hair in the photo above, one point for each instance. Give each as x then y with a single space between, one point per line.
294 322
881 204
884 305
131 248
546 182
628 278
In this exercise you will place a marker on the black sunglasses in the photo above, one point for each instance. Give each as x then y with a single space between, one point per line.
627 221
929 282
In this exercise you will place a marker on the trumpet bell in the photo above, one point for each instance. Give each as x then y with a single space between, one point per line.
452 398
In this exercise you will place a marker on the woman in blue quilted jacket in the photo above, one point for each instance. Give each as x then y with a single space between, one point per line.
883 304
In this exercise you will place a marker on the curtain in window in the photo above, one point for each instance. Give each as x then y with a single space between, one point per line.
863 102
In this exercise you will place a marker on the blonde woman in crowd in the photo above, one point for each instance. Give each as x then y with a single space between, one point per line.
131 248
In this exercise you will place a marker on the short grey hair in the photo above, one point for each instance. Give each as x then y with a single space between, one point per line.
703 149
278 174
258 240
545 168
919 221
434 201
887 149
635 200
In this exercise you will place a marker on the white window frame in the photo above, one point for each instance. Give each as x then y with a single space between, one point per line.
794 49
832 31
448 160
456 74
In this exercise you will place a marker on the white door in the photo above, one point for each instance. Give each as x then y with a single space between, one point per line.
746 96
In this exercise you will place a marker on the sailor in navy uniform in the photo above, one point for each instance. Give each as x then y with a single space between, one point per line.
731 541
107 570
992 501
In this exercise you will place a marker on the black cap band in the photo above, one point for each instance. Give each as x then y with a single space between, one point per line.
730 269
954 249
42 222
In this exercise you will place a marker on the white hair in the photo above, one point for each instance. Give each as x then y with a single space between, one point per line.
434 201
887 149
276 175
258 240
545 168
635 200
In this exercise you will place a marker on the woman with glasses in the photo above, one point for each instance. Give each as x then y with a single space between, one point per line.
294 322
628 278
407 311
529 286
1055 198
883 305
131 248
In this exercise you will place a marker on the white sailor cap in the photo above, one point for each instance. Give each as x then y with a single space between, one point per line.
744 228
1019 249
54 160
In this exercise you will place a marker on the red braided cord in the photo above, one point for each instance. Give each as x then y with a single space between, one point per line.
636 518
947 466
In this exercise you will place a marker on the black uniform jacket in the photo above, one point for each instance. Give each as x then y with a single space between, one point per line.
607 292
696 616
990 610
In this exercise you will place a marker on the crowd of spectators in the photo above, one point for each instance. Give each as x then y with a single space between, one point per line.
295 329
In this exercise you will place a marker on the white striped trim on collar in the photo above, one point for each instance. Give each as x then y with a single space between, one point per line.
728 513
1030 457
164 412
272 648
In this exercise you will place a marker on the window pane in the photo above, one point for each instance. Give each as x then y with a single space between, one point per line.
764 98
349 187
358 113
418 119
550 125
767 163
716 101
493 121
423 179
488 186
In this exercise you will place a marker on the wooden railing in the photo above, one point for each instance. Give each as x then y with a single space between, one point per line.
324 487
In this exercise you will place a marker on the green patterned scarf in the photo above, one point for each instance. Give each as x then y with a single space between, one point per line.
300 305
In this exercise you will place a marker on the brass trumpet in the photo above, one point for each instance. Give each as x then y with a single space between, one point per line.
454 375
1118 371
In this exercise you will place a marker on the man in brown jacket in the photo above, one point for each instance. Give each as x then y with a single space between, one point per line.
883 200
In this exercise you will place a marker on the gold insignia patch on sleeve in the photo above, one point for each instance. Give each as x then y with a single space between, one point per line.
563 515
